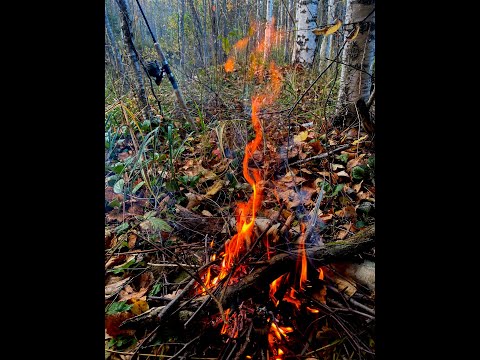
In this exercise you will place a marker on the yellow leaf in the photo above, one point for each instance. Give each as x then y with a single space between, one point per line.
301 137
353 34
139 306
359 140
329 29
215 188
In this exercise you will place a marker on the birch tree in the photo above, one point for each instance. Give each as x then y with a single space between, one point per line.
305 39
326 48
268 29
357 59
128 39
113 46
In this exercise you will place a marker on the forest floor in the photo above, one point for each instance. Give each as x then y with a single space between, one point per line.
172 198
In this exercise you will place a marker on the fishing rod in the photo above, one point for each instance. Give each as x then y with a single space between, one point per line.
153 70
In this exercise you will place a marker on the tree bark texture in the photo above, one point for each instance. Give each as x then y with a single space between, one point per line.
305 39
355 83
128 38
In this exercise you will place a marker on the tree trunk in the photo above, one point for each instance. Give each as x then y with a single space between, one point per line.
182 34
326 48
268 29
199 32
288 25
305 39
355 83
113 47
128 38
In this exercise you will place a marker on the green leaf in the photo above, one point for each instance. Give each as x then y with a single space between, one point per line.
337 189
342 158
122 227
114 203
138 186
118 187
360 224
371 162
123 267
160 225
117 307
118 168
155 289
358 172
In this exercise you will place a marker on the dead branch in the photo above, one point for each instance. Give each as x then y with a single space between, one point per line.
260 278
321 156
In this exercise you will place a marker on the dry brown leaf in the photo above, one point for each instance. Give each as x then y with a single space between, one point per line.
216 187
317 146
321 294
342 174
193 200
207 213
344 286
146 279
132 239
112 323
342 234
329 29
354 162
115 215
326 217
347 211
357 187
125 295
362 195
337 166
115 260
113 288
306 171
110 194
135 210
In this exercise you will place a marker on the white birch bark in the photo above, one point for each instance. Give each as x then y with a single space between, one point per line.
268 30
355 83
305 39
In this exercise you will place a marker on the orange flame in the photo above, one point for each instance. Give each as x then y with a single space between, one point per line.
320 273
273 289
302 258
312 310
229 65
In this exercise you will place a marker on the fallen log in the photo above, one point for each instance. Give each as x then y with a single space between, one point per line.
259 280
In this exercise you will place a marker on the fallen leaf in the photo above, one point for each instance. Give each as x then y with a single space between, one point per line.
132 296
114 260
115 287
347 212
357 187
132 239
321 294
302 136
135 210
112 323
344 286
193 200
317 146
110 195
342 234
358 141
342 174
216 187
207 213
146 279
139 306
326 217
337 166
355 162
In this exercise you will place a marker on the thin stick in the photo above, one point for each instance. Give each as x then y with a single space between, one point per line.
323 155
